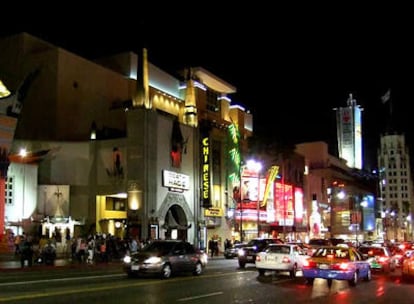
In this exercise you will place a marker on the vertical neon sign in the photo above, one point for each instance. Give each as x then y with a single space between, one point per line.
206 172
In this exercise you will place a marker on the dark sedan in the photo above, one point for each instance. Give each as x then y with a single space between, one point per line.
232 251
165 258
248 252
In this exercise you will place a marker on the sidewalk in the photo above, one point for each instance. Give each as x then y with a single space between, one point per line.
9 261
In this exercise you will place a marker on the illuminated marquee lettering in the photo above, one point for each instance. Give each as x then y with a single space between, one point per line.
206 172
176 181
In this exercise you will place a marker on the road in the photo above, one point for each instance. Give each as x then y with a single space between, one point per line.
222 282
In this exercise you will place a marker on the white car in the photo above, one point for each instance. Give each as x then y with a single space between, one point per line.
281 258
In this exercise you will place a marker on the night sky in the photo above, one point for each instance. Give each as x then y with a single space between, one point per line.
290 67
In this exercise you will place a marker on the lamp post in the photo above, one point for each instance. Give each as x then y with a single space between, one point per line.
394 216
23 154
284 199
241 201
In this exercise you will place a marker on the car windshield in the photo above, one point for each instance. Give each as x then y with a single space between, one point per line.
252 243
372 251
278 249
319 242
332 252
159 247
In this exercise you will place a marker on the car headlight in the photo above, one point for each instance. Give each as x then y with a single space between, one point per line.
127 259
153 260
204 258
240 252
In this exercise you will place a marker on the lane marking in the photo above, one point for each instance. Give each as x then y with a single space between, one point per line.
105 287
200 296
61 280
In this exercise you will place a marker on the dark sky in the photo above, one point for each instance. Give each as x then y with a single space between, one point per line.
291 67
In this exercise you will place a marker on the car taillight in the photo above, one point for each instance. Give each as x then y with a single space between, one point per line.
309 264
258 259
286 260
340 266
383 259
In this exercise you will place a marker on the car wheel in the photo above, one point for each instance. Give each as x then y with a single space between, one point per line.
329 281
198 269
308 281
261 272
354 280
404 277
242 264
293 271
368 277
166 271
131 275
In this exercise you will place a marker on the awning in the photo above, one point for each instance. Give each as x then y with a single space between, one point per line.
176 220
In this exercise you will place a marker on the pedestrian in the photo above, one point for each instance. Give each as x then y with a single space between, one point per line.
227 244
17 241
133 246
211 247
26 252
91 250
216 247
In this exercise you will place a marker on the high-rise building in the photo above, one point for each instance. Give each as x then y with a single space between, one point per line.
395 187
349 133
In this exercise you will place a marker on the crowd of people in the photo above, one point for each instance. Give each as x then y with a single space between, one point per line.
101 247
214 246
94 248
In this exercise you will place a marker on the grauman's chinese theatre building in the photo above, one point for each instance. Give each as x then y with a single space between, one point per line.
141 152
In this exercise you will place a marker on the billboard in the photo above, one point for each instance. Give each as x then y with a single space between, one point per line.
283 202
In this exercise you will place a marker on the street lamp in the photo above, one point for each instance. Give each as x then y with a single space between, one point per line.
241 201
23 154
394 217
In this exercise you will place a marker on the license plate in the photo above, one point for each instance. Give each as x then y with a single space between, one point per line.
134 267
271 259
249 257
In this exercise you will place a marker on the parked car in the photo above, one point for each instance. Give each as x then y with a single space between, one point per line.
281 258
165 258
407 268
336 263
379 257
232 251
247 253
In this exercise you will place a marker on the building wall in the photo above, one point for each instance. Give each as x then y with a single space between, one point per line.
24 188
396 189
68 86
188 198
328 177
72 92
